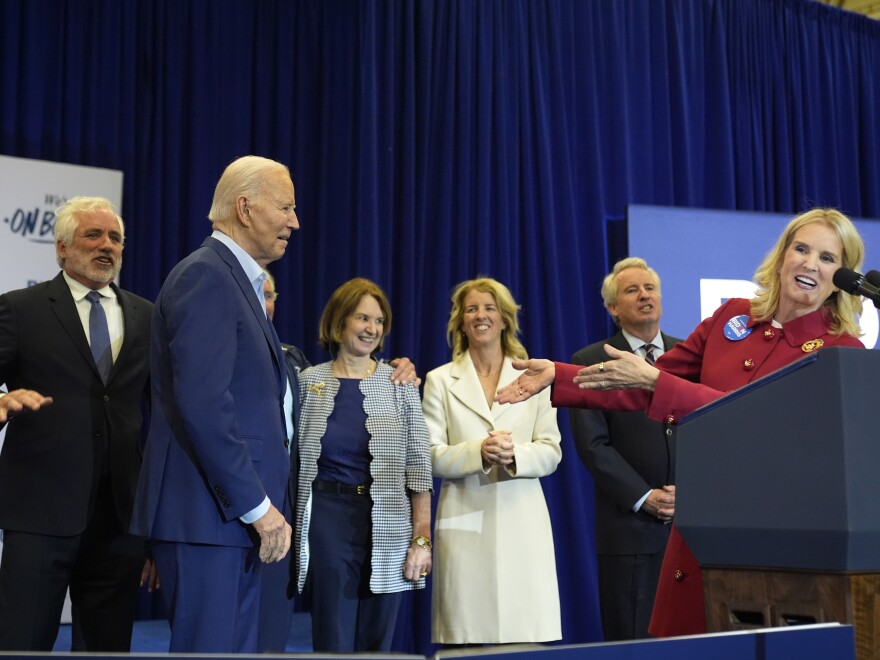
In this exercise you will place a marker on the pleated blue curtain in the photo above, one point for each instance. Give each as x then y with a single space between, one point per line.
432 141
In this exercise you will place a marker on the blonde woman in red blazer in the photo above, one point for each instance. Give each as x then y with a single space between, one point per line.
797 310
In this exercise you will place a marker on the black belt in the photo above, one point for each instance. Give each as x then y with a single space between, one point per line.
340 489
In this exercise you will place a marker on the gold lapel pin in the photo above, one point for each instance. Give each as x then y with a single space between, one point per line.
812 345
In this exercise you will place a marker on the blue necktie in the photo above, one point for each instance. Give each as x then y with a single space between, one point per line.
649 354
99 336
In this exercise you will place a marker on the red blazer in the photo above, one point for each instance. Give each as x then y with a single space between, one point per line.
725 352
707 364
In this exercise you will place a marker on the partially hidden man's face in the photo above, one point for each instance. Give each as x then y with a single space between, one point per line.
638 299
269 297
272 218
94 257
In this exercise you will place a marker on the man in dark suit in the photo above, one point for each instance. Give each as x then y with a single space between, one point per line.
216 463
632 460
68 472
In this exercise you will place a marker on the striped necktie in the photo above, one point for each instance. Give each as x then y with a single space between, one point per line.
649 354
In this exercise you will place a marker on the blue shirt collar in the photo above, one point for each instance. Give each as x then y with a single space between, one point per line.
252 269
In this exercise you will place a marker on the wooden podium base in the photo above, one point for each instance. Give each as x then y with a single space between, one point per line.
747 598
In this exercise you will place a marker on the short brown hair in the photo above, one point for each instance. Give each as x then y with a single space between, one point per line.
342 304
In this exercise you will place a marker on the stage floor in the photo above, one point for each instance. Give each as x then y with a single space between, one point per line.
152 636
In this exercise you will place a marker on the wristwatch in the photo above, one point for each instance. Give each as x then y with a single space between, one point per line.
422 541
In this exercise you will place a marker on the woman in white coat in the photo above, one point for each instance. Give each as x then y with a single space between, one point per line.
494 567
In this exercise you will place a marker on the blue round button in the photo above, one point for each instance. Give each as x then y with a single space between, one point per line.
736 328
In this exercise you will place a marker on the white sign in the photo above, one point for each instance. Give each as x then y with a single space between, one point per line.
30 191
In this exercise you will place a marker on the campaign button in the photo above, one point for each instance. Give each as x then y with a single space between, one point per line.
736 329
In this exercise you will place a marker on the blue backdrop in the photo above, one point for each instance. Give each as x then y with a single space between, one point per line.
434 140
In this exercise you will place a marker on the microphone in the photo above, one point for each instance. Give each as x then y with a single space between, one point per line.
857 284
873 277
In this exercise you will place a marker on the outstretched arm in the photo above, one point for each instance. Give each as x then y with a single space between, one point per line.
622 371
538 375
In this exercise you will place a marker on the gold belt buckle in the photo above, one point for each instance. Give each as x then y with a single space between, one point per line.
361 489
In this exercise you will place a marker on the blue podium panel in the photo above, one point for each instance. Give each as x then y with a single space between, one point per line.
818 642
782 473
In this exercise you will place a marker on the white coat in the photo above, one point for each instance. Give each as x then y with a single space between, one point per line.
494 577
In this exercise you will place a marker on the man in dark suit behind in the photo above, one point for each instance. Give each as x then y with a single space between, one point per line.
632 461
216 463
278 586
68 472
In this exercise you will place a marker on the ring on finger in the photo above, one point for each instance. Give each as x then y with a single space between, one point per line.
601 384
601 367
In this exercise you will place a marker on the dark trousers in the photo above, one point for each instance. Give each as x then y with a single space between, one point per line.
277 592
346 616
212 594
277 589
627 585
102 566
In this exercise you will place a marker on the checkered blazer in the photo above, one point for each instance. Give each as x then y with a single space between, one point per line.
401 463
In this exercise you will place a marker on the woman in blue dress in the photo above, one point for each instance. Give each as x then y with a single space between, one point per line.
363 512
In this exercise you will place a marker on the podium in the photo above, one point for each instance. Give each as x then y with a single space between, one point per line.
778 493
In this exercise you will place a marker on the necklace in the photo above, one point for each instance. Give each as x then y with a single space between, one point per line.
489 383
342 372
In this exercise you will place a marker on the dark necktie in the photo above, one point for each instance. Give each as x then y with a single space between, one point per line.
649 354
99 336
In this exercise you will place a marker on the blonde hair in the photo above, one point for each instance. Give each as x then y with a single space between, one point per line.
843 308
342 303
507 307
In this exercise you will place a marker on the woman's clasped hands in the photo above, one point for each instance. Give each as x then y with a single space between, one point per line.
497 448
